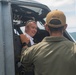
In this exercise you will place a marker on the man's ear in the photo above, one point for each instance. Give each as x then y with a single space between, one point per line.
46 27
65 27
26 28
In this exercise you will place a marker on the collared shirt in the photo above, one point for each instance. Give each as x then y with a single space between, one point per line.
31 39
52 56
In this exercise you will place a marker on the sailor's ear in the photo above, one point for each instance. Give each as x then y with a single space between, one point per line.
46 27
65 26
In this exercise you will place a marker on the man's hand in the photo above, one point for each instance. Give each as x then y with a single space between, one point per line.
24 38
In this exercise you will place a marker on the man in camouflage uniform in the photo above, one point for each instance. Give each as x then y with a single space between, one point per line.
55 54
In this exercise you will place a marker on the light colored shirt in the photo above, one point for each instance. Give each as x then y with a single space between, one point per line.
31 39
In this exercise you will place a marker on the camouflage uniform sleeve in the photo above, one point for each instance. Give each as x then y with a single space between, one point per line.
75 51
26 59
26 67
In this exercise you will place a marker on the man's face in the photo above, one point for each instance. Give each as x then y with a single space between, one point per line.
31 29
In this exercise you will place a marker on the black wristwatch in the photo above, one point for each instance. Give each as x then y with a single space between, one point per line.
24 44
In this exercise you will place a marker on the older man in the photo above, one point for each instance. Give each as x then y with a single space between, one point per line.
30 31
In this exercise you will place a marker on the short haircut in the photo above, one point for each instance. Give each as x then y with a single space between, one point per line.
30 21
